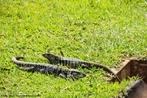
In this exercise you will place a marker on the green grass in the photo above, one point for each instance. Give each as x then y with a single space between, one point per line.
93 30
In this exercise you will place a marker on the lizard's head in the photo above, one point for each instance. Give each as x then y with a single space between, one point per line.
52 58
77 74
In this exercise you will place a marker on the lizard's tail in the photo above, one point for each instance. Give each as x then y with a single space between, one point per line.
16 58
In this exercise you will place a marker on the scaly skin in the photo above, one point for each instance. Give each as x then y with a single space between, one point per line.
74 63
48 69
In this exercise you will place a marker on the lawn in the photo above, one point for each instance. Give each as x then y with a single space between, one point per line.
102 31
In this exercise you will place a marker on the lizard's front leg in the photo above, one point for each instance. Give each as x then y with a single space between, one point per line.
62 76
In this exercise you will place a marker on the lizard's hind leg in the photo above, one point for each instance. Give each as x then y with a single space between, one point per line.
30 69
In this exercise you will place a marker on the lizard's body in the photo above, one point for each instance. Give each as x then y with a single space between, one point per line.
48 69
74 63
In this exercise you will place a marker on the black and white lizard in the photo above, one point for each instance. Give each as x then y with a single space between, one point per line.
74 63
48 69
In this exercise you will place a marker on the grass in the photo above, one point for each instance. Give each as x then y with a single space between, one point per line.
101 31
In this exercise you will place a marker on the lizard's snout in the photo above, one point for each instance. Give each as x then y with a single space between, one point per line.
78 74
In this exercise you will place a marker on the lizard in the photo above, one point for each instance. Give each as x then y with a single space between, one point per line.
74 63
47 69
